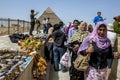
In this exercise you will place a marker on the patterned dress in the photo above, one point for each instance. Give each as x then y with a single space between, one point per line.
75 74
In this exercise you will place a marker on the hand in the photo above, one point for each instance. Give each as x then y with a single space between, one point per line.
90 50
116 55
37 12
104 18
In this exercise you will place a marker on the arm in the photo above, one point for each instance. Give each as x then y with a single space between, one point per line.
69 35
88 50
36 13
48 38
110 57
102 19
95 20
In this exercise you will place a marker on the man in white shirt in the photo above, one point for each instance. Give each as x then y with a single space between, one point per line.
113 38
111 34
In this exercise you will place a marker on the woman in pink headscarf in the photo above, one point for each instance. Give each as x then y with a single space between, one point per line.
101 53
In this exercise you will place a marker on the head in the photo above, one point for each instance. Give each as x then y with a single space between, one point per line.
32 11
48 18
61 24
49 25
83 26
44 18
90 28
117 18
102 30
56 27
76 23
99 13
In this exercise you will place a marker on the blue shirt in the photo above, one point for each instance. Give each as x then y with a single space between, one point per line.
71 32
97 19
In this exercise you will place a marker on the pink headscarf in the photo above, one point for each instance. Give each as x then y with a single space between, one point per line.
101 42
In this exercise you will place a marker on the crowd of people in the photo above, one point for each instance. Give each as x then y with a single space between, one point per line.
77 35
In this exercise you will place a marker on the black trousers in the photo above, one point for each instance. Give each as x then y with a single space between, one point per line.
32 28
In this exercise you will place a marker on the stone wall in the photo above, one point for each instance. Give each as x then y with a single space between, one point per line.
115 71
27 73
118 67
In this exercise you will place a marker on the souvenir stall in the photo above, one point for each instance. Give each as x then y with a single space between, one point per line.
27 63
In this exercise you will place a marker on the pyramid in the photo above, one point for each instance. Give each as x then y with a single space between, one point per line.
49 13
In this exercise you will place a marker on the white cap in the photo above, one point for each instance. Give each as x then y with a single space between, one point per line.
110 26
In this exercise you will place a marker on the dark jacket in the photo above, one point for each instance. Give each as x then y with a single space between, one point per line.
59 38
100 58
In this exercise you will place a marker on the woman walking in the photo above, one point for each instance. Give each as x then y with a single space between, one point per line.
76 40
101 53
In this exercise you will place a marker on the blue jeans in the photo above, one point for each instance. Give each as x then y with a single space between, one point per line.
44 28
58 53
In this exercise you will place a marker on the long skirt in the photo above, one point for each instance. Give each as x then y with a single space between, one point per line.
95 74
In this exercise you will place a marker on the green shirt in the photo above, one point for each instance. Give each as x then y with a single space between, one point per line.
116 27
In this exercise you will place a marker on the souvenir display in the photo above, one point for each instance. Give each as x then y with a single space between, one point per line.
10 61
30 43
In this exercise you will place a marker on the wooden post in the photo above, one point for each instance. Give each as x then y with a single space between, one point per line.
8 26
28 26
23 25
18 25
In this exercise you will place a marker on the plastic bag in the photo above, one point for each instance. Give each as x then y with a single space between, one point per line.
66 59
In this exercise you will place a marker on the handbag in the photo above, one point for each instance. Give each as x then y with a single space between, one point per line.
66 59
81 63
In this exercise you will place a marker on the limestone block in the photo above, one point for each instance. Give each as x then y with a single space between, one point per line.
118 67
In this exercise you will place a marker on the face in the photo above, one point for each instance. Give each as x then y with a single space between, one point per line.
32 12
75 24
84 27
99 13
102 31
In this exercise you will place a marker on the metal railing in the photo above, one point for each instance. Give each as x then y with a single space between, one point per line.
9 26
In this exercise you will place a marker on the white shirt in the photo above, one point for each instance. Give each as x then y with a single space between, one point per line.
112 36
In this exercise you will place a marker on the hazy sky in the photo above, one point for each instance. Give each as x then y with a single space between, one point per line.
66 10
